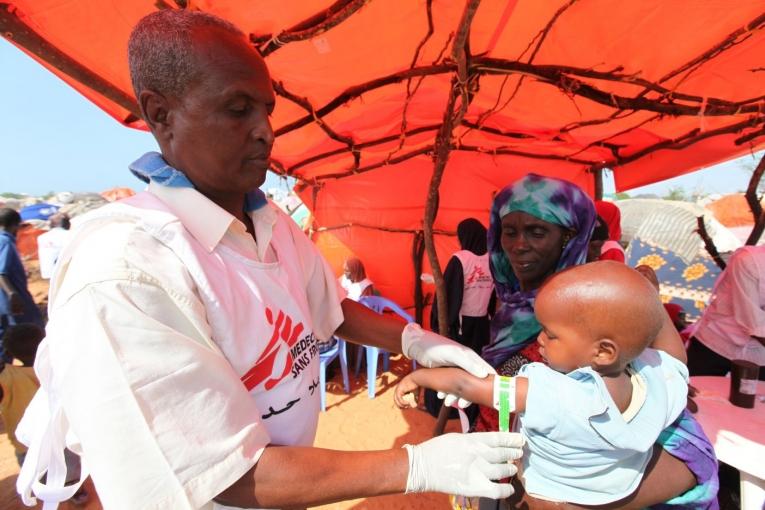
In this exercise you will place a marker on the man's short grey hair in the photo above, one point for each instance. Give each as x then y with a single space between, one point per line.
161 54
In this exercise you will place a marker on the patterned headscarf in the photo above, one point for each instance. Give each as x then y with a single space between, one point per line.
552 200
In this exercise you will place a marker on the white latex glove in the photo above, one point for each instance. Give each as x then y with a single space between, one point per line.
465 464
433 350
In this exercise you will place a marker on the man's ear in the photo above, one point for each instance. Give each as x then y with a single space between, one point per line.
606 352
155 109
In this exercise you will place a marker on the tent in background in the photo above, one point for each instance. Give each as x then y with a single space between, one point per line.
558 87
41 211
662 234
114 194
686 283
733 211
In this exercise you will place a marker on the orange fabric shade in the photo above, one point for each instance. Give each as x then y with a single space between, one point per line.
649 89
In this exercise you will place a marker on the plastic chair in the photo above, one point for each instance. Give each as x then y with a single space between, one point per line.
378 304
325 359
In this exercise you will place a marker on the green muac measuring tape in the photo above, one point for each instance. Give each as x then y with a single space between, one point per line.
504 400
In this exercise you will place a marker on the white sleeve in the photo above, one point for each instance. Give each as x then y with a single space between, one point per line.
323 289
544 409
162 419
745 295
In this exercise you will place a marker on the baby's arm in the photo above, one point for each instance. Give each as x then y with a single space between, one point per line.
457 382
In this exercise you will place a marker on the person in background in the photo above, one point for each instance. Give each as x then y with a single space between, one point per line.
599 237
354 279
469 288
733 325
18 384
50 244
677 314
16 303
181 346
469 299
611 249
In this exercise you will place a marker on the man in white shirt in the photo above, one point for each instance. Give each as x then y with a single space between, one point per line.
181 356
50 244
733 326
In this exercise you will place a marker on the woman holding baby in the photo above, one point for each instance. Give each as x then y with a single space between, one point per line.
539 227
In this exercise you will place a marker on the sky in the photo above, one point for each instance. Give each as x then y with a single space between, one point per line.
53 139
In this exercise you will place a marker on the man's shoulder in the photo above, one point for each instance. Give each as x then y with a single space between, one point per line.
118 243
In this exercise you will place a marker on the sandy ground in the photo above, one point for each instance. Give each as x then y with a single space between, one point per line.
351 422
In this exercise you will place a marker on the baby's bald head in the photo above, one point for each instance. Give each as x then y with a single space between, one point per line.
606 300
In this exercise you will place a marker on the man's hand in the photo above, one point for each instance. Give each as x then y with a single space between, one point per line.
465 464
432 350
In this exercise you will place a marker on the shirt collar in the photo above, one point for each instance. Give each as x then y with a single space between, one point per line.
152 167
204 219
8 234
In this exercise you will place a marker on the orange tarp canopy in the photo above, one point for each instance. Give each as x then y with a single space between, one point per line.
649 89
732 211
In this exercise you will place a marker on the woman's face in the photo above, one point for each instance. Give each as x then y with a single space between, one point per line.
533 247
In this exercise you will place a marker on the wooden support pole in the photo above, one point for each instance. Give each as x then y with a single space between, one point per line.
597 174
418 251
314 201
452 117
708 243
754 204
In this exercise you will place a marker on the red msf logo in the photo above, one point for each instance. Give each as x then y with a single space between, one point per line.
276 361
476 274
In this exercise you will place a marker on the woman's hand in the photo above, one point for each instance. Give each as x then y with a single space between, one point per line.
406 393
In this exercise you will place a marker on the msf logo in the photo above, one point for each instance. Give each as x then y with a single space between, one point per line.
477 275
276 361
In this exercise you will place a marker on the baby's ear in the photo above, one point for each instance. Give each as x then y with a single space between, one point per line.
606 352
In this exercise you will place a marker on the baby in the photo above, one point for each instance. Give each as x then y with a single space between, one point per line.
592 414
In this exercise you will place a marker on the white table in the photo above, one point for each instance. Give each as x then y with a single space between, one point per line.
737 434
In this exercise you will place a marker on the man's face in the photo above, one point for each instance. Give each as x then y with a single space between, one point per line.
219 132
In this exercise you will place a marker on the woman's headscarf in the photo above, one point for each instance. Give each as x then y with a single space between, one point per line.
613 218
472 236
552 200
355 269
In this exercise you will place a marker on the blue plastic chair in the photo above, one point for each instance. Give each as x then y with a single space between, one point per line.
325 358
378 304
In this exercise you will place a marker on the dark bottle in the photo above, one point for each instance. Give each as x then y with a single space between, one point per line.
743 383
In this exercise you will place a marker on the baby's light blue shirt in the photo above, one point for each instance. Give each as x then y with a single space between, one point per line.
579 448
